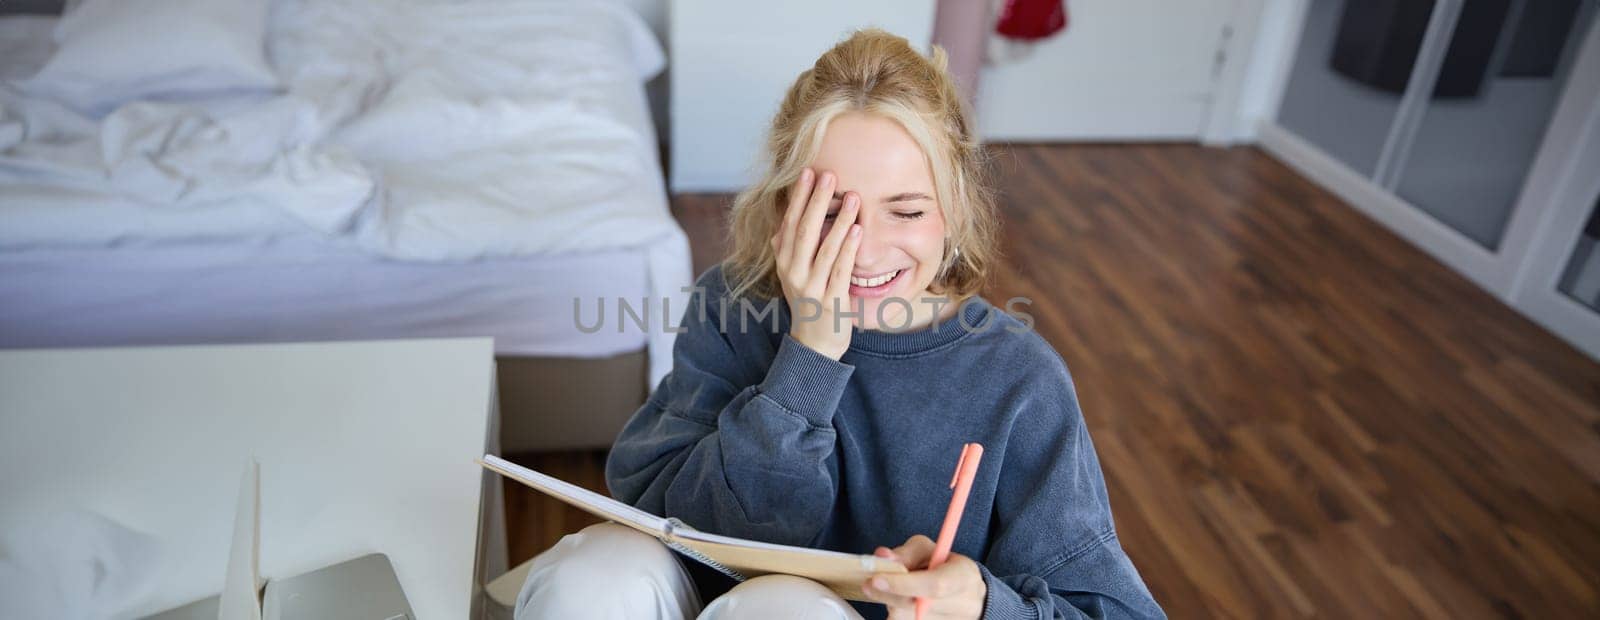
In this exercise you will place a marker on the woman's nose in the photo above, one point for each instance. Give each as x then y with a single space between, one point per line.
871 243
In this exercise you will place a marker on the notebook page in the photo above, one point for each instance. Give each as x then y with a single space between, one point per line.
602 506
841 572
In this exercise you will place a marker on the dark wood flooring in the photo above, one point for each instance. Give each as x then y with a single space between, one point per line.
1298 413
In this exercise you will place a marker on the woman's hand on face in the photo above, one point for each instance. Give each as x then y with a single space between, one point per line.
954 590
816 278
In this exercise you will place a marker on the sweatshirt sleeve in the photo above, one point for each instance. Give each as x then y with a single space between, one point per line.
747 461
1056 554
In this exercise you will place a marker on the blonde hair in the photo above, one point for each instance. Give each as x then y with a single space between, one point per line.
876 72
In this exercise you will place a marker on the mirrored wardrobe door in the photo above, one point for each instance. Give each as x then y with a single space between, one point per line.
1558 269
1563 290
1353 63
1580 279
1505 67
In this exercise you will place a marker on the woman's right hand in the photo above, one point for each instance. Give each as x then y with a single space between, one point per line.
816 279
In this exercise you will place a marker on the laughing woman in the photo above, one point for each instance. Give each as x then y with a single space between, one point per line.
833 421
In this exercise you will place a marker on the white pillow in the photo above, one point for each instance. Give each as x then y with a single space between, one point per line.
110 52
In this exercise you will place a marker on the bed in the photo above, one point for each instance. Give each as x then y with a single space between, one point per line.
412 168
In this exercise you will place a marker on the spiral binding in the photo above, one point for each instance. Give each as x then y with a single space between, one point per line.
673 524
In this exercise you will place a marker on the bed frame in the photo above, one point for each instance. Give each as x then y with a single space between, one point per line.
567 404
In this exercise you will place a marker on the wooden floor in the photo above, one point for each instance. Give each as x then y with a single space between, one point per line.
1298 413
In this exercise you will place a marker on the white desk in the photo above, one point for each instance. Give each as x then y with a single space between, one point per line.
364 447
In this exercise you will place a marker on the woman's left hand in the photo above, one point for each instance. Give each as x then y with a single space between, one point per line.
954 590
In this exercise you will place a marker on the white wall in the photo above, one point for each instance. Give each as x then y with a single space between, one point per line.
1123 70
732 61
1272 54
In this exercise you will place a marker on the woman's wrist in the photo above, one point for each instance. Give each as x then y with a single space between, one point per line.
829 349
806 382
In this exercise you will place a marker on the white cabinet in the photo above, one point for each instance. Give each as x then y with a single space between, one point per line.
364 447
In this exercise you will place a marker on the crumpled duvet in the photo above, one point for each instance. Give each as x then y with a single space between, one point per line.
413 129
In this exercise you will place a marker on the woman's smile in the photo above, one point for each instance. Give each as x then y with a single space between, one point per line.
875 286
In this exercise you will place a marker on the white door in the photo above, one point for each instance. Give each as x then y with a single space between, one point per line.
1122 70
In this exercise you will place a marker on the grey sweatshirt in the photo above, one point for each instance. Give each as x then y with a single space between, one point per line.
755 435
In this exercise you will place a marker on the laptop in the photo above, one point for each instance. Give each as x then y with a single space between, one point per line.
361 589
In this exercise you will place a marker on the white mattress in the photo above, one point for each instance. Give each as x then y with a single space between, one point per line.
199 282
298 290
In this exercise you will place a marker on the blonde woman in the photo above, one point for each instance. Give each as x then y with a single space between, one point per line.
830 371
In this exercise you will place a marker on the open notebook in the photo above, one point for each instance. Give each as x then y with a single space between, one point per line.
736 557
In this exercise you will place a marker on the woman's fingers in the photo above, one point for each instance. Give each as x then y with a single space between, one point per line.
799 197
829 251
809 230
839 278
916 552
875 589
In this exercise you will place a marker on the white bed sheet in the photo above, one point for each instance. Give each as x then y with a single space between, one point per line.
414 129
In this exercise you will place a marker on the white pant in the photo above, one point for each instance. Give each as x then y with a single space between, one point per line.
611 571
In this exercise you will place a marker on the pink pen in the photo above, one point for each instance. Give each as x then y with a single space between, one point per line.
966 470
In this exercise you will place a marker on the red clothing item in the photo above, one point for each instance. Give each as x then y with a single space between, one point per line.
1032 20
